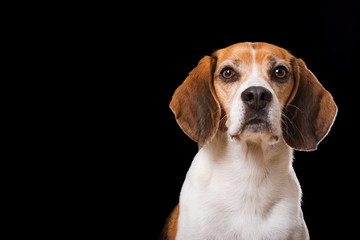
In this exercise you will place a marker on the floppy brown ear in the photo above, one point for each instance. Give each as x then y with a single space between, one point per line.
310 115
195 104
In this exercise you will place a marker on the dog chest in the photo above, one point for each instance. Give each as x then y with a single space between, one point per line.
225 201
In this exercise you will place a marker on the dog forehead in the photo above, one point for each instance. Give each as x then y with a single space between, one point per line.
236 52
250 52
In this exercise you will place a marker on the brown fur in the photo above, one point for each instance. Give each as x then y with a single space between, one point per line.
310 114
170 229
195 105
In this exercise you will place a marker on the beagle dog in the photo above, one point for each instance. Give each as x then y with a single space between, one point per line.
248 106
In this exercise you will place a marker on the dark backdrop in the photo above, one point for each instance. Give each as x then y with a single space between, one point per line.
169 40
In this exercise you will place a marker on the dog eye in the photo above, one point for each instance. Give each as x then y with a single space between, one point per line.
227 74
280 73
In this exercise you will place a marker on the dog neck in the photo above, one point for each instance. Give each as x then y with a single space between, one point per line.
259 156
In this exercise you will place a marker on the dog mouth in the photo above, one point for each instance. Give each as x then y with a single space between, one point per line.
255 127
256 124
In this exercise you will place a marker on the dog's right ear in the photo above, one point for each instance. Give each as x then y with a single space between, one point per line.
195 104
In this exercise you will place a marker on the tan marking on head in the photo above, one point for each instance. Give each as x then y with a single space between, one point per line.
267 57
241 58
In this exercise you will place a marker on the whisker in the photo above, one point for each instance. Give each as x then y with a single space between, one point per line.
287 121
292 105
222 121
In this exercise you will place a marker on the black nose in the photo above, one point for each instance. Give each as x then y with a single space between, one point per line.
256 97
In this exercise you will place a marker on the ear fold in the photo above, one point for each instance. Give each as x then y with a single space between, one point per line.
195 105
310 115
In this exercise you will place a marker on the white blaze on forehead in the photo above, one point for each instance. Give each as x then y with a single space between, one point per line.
237 110
255 79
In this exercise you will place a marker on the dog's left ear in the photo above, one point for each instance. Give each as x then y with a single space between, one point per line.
195 104
310 114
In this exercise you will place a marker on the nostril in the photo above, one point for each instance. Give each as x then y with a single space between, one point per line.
265 96
247 96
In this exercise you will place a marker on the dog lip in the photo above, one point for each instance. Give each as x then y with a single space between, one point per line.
255 121
256 124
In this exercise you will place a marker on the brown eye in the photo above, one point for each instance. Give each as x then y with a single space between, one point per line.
227 73
280 72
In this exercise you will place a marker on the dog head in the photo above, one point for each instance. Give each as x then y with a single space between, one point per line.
254 92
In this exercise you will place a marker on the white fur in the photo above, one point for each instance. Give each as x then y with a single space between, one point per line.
243 189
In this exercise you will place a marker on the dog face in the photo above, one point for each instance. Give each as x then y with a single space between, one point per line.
253 83
255 92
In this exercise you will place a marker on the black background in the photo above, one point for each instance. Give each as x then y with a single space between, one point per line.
166 43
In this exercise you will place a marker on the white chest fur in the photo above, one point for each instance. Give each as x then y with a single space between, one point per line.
241 191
